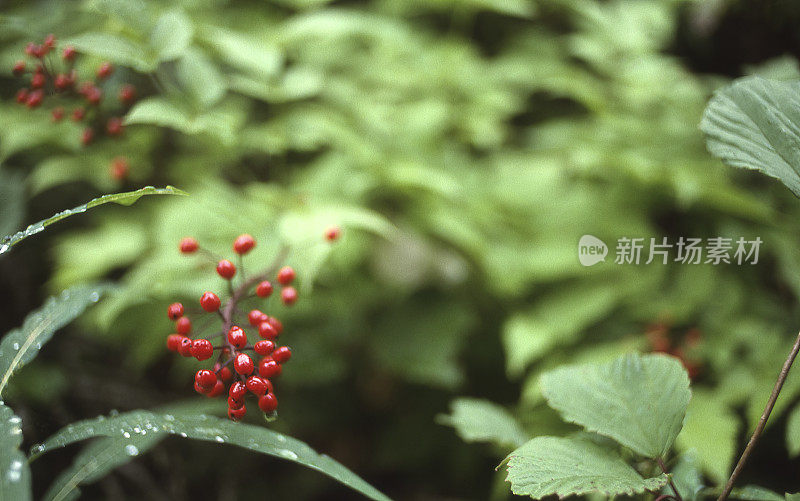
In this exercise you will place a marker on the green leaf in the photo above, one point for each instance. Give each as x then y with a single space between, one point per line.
248 52
557 318
793 432
755 124
96 460
21 345
209 429
715 452
687 478
171 35
755 493
15 474
200 78
12 200
483 421
638 400
572 466
126 198
115 48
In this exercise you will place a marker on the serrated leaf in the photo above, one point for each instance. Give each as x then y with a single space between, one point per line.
638 400
793 432
209 429
478 420
171 35
21 345
15 474
200 77
572 466
126 198
755 124
115 48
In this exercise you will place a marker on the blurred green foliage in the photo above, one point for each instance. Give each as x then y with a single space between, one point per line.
464 147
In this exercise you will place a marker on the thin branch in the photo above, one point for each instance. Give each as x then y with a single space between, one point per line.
763 421
669 478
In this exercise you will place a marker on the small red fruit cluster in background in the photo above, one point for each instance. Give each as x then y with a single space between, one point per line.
661 341
241 367
53 78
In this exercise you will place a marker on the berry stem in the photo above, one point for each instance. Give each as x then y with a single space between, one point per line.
762 423
669 478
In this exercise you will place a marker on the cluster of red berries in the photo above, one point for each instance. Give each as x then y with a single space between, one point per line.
51 77
235 368
661 341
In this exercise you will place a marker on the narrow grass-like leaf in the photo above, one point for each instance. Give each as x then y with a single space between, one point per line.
572 466
209 429
96 460
755 124
15 475
639 401
21 345
478 420
126 198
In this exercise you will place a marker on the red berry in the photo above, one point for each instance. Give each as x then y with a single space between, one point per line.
237 337
224 373
50 41
282 354
258 385
205 378
226 269
237 414
58 114
243 364
68 53
22 95
276 324
174 342
62 82
119 168
183 326
285 275
265 347
105 70
34 98
200 389
219 389
31 49
127 93
175 311
185 347
38 80
289 296
202 349
210 302
188 245
255 317
243 244
332 233
267 331
94 95
78 114
19 68
264 289
114 126
87 136
235 404
269 368
237 391
268 402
